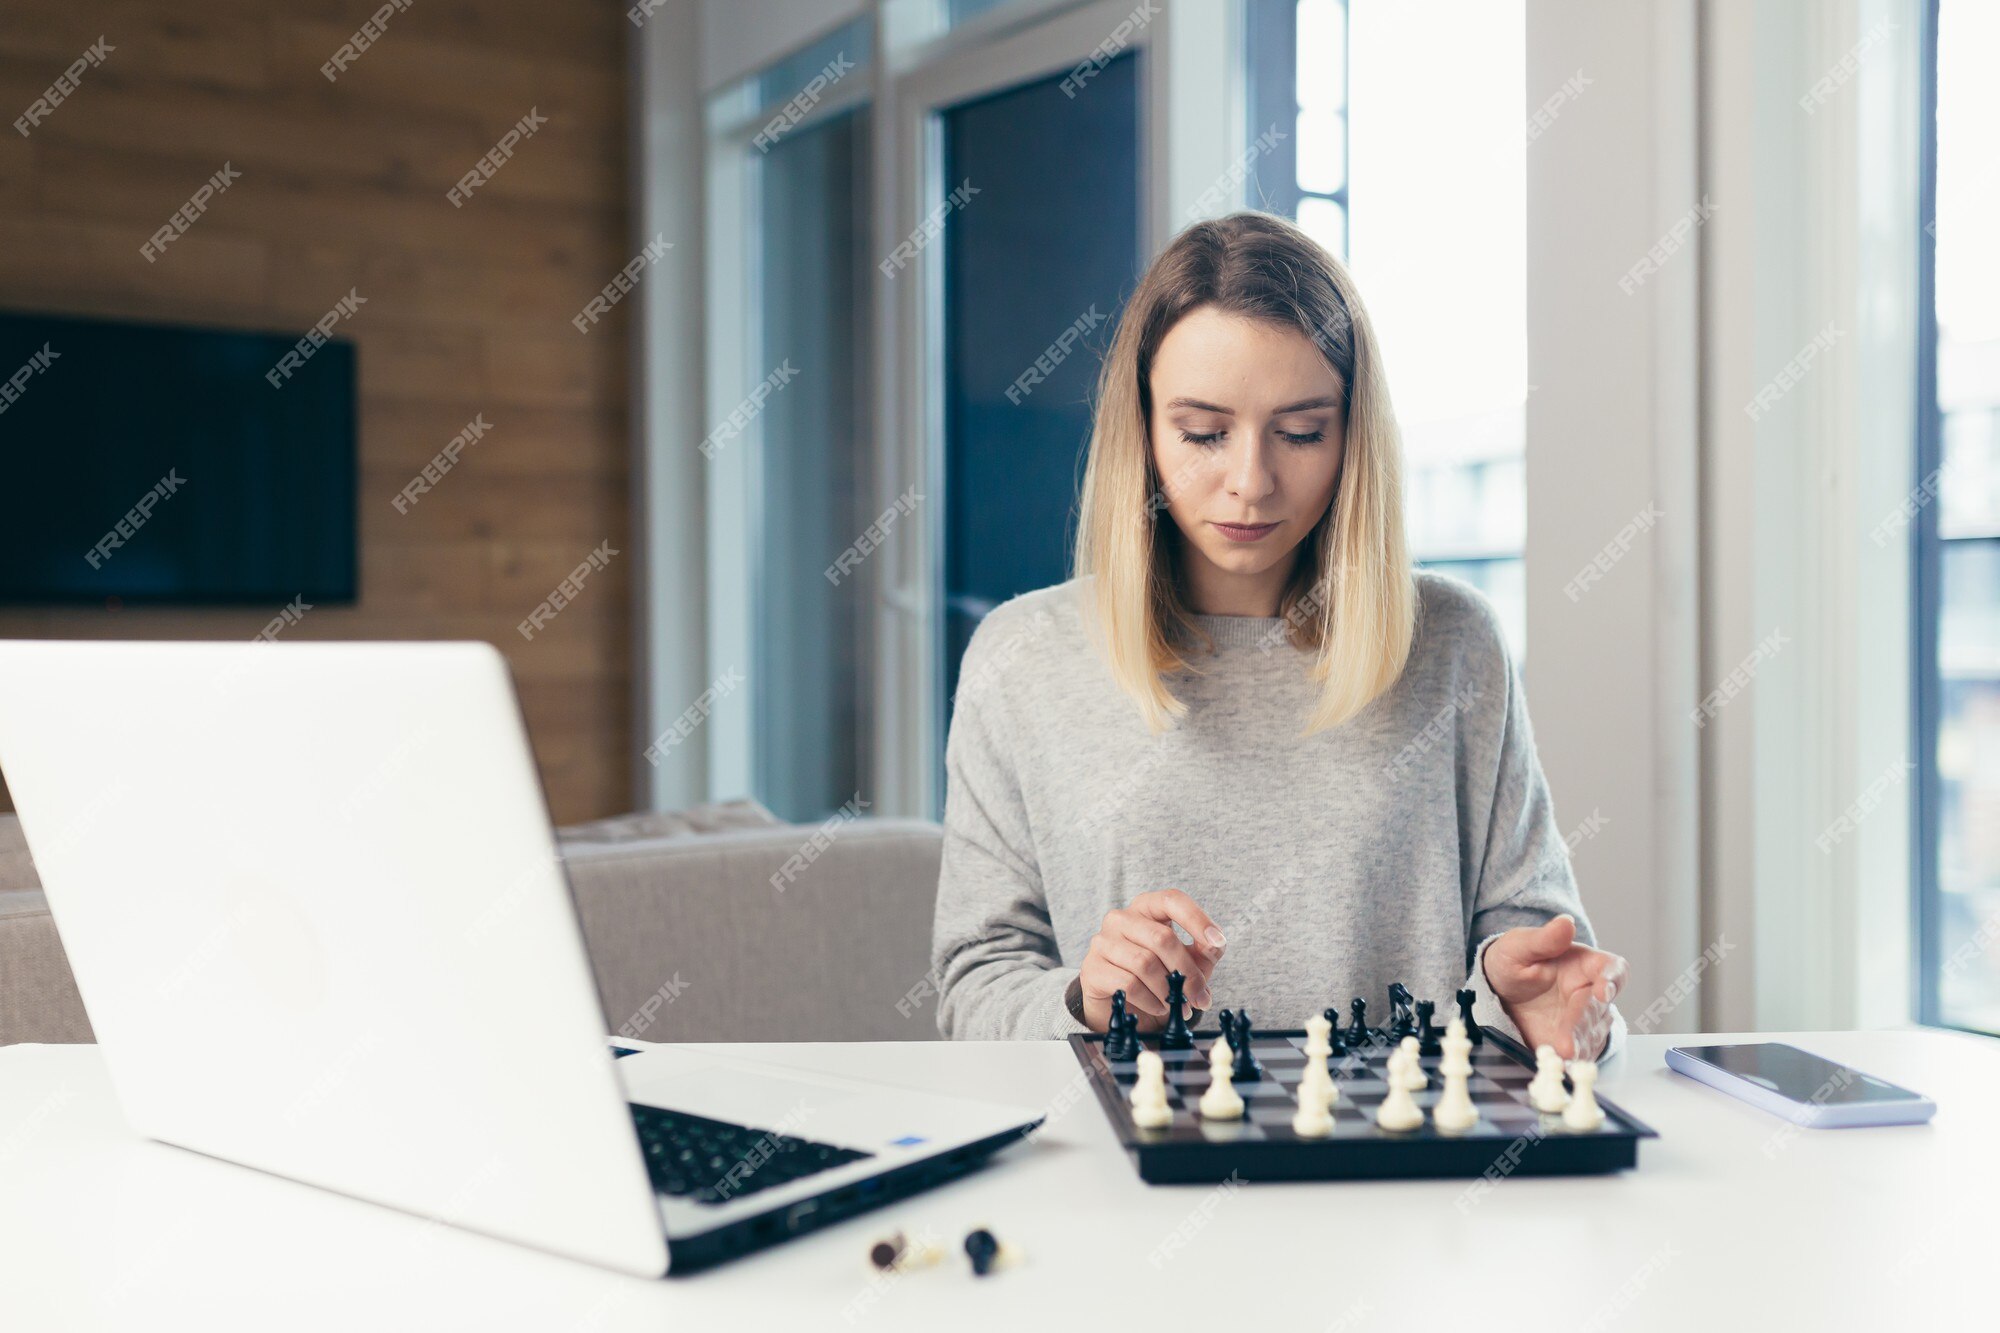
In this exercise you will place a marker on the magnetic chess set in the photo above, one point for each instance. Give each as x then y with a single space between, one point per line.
1406 1100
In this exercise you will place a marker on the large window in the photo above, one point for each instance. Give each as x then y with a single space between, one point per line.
1958 531
1406 153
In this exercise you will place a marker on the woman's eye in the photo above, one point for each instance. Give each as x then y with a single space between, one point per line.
1193 438
1313 438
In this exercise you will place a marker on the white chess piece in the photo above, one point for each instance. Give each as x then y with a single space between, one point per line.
1318 1074
1399 1110
1221 1101
1583 1112
1455 1112
1149 1095
1315 1115
1413 1073
1545 1092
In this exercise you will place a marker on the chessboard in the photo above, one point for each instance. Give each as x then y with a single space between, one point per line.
1510 1138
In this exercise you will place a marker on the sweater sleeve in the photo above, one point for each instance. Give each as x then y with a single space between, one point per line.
993 950
1525 878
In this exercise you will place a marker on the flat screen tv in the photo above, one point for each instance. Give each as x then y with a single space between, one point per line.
146 463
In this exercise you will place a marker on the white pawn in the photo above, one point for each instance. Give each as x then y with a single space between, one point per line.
1413 1073
1583 1112
1399 1110
1221 1101
1546 1092
1149 1095
1455 1112
1318 1075
1315 1115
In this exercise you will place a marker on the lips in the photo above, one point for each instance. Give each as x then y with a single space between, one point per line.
1246 532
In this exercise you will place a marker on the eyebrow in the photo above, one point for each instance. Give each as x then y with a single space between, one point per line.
1303 405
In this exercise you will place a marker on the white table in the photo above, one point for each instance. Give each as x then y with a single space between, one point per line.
1731 1220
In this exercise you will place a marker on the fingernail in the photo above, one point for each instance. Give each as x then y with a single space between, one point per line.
1214 938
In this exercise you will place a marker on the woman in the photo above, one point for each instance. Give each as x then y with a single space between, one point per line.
1246 717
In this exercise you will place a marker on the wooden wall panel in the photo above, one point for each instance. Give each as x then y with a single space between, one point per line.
343 186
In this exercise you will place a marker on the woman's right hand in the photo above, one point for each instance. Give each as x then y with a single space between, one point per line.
1134 949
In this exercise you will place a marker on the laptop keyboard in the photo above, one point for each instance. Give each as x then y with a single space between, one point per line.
713 1161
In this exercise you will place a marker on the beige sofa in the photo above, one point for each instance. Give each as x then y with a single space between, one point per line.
840 952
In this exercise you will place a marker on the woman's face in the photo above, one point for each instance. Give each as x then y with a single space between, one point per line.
1247 433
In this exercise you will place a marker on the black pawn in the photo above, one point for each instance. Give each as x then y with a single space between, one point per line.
1131 1046
1428 1032
1246 1069
1474 1033
1358 1034
1114 1031
980 1247
1176 1036
1336 1040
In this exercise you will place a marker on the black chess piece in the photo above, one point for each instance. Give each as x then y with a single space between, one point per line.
1336 1040
1247 1068
1473 1032
1401 1023
1176 1036
1357 1035
981 1248
1121 1035
1428 1032
1117 1023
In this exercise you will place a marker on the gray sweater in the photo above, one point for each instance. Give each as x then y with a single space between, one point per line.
1390 848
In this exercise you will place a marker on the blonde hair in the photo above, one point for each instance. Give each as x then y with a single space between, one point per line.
1351 600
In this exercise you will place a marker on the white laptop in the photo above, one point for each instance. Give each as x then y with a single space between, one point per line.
313 904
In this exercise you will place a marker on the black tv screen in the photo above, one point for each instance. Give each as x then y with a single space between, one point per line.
151 463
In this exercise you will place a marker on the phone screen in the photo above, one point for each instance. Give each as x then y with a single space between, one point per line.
1800 1076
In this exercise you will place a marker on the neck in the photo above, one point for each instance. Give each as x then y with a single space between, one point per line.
1216 592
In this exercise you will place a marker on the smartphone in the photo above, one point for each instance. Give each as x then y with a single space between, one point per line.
1804 1088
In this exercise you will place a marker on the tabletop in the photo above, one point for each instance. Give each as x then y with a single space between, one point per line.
1733 1219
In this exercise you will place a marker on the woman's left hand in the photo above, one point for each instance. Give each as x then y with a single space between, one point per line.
1558 992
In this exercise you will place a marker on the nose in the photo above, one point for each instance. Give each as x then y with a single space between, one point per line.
1250 476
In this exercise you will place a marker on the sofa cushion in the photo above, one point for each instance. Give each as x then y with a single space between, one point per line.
656 824
17 868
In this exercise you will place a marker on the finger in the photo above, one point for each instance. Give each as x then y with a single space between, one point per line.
1552 938
1105 977
1142 963
1573 1023
1159 938
1174 905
